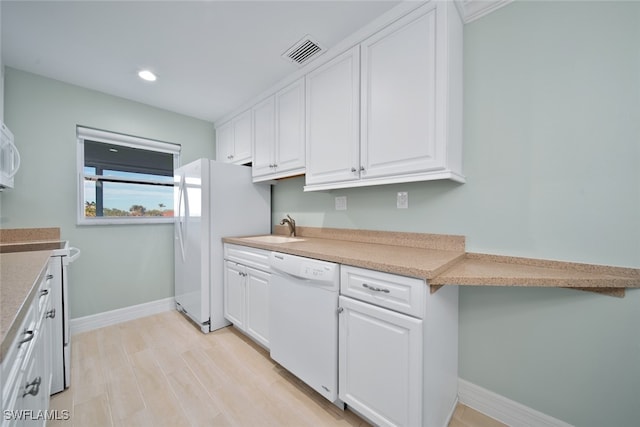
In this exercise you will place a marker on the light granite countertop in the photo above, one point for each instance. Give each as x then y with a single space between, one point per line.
442 260
20 274
24 255
410 254
493 270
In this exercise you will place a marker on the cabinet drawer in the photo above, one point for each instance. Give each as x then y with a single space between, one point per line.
398 293
251 257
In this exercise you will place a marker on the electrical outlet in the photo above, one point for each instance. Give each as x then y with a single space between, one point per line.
341 203
402 201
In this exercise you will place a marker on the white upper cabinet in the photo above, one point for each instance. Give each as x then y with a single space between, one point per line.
408 107
278 142
233 140
398 99
242 138
224 142
264 138
290 115
387 109
333 129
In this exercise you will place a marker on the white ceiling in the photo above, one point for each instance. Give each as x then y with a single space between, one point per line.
210 56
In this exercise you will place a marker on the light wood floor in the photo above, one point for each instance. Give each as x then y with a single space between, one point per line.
162 371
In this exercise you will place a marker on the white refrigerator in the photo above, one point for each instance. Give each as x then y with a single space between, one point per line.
212 200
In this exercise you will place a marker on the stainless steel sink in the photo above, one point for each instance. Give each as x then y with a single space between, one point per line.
275 239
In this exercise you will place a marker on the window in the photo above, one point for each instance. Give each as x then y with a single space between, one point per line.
124 179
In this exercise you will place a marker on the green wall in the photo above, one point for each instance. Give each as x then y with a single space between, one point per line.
120 265
552 159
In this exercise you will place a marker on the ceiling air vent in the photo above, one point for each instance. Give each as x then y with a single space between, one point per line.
303 51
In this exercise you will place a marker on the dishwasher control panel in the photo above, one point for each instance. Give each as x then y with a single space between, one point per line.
314 271
305 268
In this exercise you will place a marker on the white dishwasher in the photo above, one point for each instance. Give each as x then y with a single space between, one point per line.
303 320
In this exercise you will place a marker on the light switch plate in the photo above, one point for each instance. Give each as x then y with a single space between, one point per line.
341 203
402 201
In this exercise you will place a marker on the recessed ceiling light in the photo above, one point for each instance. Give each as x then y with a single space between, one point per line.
147 75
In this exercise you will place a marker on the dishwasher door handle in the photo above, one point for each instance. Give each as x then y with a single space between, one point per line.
285 275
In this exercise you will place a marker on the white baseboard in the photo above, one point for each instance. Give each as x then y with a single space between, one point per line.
502 409
108 318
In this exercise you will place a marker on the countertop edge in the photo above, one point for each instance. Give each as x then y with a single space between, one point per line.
561 274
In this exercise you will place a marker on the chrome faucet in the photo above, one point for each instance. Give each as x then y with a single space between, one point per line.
291 223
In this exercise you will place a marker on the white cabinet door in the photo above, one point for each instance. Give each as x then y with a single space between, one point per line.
234 293
264 138
278 139
242 134
224 143
290 125
399 98
246 300
380 363
30 397
332 124
234 140
257 323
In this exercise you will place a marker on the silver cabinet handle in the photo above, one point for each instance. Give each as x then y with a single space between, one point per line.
361 168
44 292
51 313
354 170
340 310
49 276
373 288
33 386
28 337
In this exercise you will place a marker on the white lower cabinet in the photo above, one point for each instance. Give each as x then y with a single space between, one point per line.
380 363
246 291
257 300
397 348
26 368
234 293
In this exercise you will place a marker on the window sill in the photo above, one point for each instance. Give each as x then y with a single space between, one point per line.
125 220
